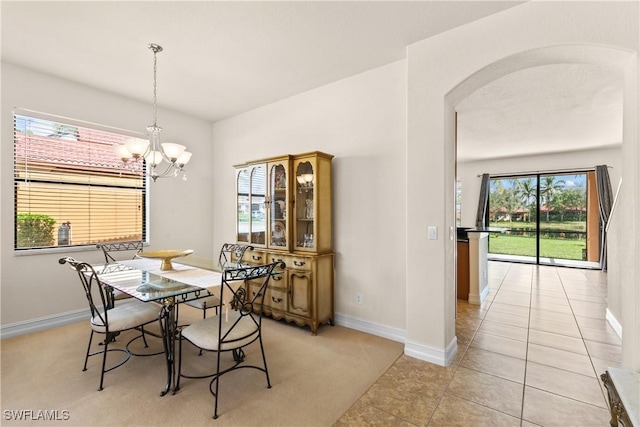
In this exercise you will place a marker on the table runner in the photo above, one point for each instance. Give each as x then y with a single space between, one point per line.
189 275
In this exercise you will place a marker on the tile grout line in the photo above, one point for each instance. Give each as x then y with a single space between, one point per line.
526 354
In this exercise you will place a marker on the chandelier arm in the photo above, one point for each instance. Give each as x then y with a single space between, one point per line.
170 170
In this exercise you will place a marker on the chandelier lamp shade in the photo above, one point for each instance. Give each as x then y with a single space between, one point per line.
162 159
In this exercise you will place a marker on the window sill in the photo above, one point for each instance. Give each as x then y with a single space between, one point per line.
56 250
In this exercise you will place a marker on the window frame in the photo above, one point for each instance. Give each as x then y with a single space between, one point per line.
145 187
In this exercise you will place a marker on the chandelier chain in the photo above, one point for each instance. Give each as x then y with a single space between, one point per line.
155 84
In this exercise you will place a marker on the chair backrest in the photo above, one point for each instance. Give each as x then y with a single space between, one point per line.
241 299
109 248
231 255
91 284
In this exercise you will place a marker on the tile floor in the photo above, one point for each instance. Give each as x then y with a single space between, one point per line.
531 355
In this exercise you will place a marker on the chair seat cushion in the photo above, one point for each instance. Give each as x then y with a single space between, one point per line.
204 334
202 303
127 315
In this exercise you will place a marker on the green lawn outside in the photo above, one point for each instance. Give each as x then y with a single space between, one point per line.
526 246
564 225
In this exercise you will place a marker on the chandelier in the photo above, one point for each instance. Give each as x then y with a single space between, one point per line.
163 160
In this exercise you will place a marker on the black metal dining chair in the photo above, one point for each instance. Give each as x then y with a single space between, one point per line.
231 255
110 250
110 321
235 328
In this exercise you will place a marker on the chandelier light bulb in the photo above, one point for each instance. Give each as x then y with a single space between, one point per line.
136 146
122 152
173 151
183 159
153 158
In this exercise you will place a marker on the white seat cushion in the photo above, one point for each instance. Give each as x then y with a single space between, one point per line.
204 333
127 315
200 303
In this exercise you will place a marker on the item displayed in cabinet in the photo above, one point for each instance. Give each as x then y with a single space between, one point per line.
305 181
280 179
278 234
308 213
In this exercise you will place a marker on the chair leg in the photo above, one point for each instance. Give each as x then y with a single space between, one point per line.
264 360
104 359
217 380
179 363
204 316
144 337
86 357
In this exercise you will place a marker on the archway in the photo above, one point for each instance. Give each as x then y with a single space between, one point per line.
616 60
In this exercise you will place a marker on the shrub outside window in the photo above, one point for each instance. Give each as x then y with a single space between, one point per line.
71 189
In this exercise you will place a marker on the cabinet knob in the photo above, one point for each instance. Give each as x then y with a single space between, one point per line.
298 263
274 299
277 278
256 257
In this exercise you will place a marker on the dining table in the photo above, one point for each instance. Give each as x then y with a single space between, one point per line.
144 280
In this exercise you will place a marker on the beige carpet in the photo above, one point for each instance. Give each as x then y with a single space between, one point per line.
315 379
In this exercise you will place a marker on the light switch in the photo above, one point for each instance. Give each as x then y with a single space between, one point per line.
433 232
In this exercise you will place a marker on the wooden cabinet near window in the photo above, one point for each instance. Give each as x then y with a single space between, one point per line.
284 210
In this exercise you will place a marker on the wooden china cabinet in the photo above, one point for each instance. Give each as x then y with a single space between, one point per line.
284 212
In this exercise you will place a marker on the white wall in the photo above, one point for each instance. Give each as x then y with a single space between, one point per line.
361 121
443 70
36 287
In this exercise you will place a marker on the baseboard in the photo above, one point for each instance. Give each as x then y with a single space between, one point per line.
372 328
419 351
43 323
432 355
617 327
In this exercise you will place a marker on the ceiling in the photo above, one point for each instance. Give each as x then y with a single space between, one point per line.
224 58
547 109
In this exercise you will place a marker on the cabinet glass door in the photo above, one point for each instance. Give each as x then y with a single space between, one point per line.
278 203
244 207
258 206
305 207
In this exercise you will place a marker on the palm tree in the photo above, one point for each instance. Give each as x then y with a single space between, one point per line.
548 189
526 190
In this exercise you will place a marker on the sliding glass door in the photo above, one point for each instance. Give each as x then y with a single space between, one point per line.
563 222
547 218
513 207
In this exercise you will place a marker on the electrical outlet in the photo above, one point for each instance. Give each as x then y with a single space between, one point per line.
358 298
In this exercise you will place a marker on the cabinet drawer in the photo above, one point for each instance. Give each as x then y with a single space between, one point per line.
300 263
252 289
278 281
276 299
255 257
276 257
293 261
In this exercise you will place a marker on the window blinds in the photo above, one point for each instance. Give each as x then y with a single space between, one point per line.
71 188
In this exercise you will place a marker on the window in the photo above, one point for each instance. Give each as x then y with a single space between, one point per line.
71 189
548 218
